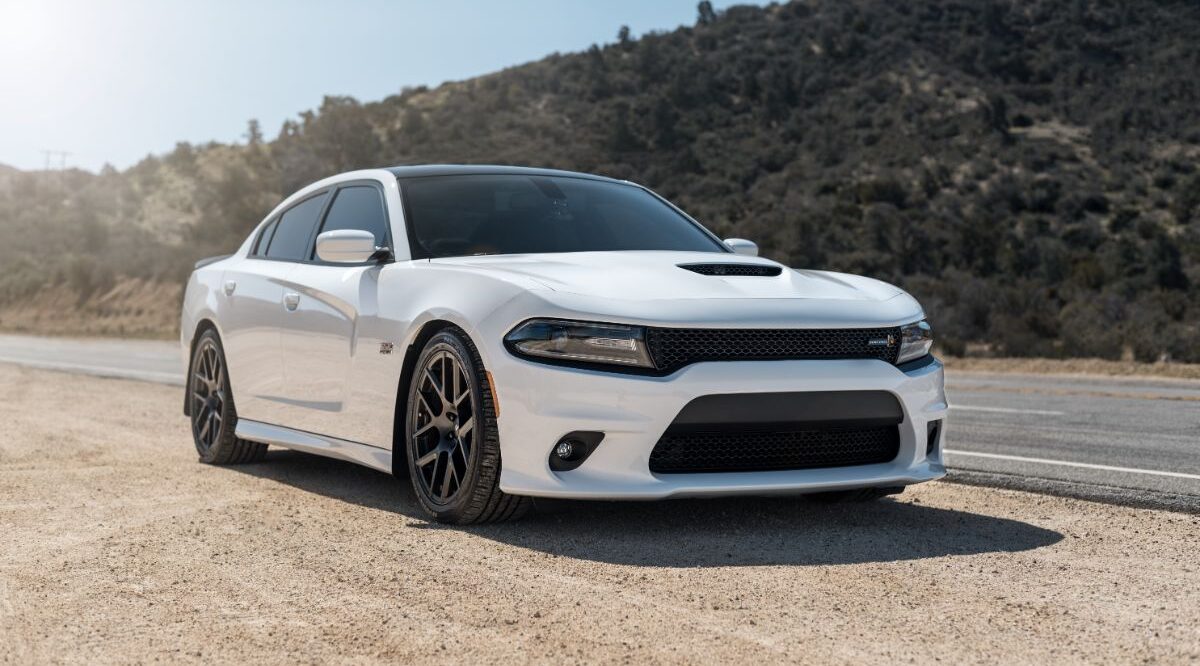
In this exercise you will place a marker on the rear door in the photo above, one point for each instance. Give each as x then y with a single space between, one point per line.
254 290
335 330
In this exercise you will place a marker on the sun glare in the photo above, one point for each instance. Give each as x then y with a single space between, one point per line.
25 29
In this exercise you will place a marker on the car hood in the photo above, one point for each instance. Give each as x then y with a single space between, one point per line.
657 275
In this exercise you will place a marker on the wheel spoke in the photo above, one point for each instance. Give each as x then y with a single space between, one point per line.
424 460
438 465
207 423
446 476
454 472
437 385
428 407
460 447
447 374
463 430
463 395
424 429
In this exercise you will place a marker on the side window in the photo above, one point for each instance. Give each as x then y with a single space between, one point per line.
358 207
264 239
294 229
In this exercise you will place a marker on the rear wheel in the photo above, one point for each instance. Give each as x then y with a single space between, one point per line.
214 417
855 495
453 444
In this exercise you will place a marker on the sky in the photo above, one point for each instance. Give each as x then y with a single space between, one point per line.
111 81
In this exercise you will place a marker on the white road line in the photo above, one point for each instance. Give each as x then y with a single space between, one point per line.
101 370
1064 463
1007 410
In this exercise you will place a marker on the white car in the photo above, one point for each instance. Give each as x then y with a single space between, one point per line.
502 333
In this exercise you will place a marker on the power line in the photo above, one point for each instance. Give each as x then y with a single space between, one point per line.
61 156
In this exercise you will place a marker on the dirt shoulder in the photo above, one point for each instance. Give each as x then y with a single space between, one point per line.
119 547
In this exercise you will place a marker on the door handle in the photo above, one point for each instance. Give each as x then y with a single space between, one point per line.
291 301
230 285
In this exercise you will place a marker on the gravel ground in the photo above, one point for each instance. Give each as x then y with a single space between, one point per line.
118 547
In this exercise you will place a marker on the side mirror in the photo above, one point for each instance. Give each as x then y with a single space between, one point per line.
742 246
346 246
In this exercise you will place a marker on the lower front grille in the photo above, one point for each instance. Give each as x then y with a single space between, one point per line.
694 452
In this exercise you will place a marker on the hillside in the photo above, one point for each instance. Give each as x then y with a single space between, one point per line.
1027 169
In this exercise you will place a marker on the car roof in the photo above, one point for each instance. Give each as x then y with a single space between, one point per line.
427 170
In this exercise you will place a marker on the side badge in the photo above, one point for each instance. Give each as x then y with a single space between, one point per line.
385 348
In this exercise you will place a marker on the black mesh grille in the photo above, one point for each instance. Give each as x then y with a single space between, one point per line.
695 452
755 270
673 348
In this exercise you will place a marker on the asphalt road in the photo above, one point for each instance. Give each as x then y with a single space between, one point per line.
1051 432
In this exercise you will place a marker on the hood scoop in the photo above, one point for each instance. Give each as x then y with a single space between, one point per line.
737 270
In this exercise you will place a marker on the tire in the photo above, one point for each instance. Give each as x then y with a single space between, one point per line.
452 443
213 415
854 496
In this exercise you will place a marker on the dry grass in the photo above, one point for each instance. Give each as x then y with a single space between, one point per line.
131 309
1074 366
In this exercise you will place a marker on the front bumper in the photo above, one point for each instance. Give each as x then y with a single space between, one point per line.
541 403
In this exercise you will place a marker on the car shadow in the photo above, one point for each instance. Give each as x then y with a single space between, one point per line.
744 531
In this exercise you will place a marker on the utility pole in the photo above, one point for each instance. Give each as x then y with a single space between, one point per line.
56 155
61 156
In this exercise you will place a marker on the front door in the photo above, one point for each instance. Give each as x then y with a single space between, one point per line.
332 339
256 310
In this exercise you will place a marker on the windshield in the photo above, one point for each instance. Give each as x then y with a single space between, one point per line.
455 216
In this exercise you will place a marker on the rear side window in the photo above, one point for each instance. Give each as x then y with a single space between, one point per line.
361 208
294 229
264 239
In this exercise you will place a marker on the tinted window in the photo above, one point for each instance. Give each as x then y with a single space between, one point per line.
264 239
294 229
358 208
511 214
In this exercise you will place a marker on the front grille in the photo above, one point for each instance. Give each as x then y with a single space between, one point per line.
733 451
739 270
674 348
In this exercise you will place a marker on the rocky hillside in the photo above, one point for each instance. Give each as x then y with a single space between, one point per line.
1028 169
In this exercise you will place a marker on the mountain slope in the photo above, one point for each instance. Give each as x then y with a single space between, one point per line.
1026 169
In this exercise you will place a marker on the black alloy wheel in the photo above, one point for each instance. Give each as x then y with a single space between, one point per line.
210 404
453 443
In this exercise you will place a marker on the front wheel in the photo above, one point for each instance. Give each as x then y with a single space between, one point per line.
453 444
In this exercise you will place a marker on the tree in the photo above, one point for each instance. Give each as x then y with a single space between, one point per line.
621 138
623 36
707 16
254 135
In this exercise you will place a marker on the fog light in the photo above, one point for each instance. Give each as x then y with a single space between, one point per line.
566 449
573 449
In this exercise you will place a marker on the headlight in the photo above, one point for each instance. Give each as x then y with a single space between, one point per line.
915 341
580 342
